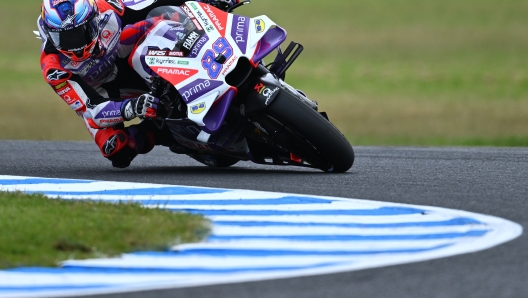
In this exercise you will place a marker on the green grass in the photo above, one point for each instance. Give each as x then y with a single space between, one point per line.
406 72
38 231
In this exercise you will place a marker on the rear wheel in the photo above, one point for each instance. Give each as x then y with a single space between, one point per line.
307 134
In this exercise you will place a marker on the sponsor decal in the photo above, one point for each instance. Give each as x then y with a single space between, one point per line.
260 26
205 21
68 21
190 40
198 46
239 31
107 35
59 86
175 71
198 88
218 18
150 60
177 28
70 96
165 53
110 110
55 75
162 61
156 53
110 145
111 113
67 98
265 91
110 121
182 62
175 53
187 11
194 6
63 91
198 108
77 106
174 75
229 64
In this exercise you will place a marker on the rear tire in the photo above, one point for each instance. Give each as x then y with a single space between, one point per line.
319 135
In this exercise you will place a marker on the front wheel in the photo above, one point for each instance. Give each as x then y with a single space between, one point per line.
308 134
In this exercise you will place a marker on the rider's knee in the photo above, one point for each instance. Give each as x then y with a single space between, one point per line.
116 146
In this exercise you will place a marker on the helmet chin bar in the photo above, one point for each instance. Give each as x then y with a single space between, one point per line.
93 50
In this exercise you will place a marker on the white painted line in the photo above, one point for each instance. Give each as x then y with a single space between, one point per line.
256 235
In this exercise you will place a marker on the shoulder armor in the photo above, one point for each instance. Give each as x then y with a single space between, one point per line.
52 70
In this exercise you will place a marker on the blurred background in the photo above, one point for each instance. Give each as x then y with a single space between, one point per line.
387 72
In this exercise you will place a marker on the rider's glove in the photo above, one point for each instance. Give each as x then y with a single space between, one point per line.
145 106
221 4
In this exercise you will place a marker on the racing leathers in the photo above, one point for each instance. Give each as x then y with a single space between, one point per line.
96 88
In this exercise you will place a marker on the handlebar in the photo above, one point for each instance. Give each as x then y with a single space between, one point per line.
244 2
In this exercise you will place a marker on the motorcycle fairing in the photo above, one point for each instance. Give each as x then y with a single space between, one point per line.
226 139
265 89
224 40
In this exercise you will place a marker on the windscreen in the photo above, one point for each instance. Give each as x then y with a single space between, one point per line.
185 30
174 13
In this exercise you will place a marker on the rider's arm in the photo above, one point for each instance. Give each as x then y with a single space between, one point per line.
99 111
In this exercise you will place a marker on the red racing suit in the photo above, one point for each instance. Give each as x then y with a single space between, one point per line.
95 88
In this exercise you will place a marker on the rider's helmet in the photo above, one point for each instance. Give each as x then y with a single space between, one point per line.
73 27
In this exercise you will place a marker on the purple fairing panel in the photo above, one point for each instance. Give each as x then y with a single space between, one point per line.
269 42
198 46
240 31
215 116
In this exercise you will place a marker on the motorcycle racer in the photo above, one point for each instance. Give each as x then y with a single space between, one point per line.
84 59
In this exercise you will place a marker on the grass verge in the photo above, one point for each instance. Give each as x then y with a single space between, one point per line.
39 231
408 72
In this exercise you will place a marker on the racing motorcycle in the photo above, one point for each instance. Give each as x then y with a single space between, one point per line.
222 103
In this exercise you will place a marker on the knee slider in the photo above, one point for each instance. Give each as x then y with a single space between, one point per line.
111 141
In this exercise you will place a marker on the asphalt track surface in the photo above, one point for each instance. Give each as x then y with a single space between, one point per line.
491 181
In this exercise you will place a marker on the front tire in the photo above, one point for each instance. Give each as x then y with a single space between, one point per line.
319 136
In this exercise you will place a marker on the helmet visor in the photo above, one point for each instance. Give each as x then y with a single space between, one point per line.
76 39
